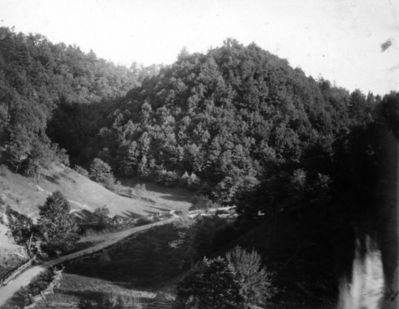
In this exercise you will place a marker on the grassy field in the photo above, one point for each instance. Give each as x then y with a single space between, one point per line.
168 198
25 194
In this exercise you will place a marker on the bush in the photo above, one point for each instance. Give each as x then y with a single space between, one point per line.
140 188
110 184
101 172
62 155
81 171
167 178
21 226
102 217
191 181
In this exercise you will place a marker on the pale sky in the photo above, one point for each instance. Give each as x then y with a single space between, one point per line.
339 40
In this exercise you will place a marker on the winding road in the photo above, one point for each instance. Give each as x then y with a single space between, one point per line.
15 284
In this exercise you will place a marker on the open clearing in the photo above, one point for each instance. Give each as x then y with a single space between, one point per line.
25 194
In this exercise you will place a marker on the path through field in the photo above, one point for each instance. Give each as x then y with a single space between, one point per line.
23 279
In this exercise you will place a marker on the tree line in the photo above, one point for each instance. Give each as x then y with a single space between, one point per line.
37 76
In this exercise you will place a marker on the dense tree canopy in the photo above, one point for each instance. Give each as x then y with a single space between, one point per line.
230 116
36 76
213 285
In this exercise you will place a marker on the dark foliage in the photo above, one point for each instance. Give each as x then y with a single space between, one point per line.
390 111
100 171
21 226
36 76
233 117
56 225
213 285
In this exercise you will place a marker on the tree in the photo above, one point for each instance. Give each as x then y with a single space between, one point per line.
57 227
102 217
212 286
390 111
22 228
254 280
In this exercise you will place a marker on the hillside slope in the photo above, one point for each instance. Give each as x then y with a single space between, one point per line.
25 194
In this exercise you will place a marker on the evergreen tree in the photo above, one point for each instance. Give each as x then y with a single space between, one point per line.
254 280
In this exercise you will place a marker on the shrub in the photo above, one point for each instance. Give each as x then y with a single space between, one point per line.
81 170
110 184
61 155
191 181
21 226
2 168
140 188
167 178
102 217
100 171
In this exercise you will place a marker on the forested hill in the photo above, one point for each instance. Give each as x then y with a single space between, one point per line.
227 117
297 156
36 76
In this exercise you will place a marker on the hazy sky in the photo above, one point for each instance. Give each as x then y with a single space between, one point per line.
337 39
